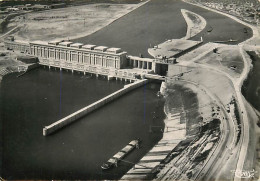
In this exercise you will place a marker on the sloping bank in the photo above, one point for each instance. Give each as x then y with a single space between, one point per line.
21 64
187 127
251 86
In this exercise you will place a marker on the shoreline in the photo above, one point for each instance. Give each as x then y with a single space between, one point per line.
72 38
167 143
254 28
243 154
255 34
82 33
186 35
192 25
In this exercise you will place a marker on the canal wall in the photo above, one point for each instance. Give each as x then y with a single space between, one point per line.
88 109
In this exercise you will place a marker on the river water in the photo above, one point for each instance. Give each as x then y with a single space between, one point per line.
40 97
251 87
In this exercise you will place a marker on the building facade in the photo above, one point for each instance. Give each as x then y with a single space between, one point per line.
99 60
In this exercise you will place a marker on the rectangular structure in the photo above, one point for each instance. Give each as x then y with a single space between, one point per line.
74 56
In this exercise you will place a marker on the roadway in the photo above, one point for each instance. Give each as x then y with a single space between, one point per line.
214 166
221 152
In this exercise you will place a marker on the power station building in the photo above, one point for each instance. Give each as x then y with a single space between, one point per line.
99 60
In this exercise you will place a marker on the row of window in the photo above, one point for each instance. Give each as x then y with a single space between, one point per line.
70 56
22 48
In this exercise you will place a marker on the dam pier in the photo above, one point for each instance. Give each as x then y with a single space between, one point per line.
100 60
88 109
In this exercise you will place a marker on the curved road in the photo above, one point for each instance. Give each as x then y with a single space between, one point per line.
159 20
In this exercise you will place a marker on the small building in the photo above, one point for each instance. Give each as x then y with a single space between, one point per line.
101 48
54 42
114 50
76 45
22 47
65 43
89 47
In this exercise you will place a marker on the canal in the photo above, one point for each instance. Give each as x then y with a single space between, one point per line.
40 97
251 87
160 20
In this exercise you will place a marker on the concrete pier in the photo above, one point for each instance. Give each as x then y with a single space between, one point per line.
86 110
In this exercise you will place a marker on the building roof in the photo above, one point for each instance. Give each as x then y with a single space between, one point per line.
115 50
102 48
78 45
54 42
140 59
65 43
88 46
40 42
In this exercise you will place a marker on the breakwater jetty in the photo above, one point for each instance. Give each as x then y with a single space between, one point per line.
88 109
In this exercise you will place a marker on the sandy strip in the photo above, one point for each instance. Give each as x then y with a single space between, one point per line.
193 27
254 28
166 145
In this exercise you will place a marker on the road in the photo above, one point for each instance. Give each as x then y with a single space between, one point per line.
245 128
214 166
7 33
221 152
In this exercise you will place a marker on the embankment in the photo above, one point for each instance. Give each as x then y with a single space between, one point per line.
27 68
6 20
86 110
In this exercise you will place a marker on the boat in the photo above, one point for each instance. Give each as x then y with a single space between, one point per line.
121 154
210 29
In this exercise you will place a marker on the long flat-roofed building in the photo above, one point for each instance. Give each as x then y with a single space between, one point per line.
77 56
89 58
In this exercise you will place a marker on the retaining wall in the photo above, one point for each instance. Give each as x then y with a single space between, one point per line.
86 110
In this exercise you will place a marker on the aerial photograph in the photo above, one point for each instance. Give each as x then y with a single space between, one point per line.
130 90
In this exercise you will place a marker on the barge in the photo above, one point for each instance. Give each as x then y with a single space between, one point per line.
121 154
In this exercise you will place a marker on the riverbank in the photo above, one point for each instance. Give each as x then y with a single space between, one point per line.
70 22
254 28
8 62
66 154
248 136
195 23
251 86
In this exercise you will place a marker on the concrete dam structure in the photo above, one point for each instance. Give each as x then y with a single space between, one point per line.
100 60
88 109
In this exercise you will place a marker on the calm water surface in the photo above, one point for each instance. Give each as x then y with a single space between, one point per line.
251 87
40 97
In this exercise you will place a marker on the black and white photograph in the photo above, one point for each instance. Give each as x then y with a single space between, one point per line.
165 90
